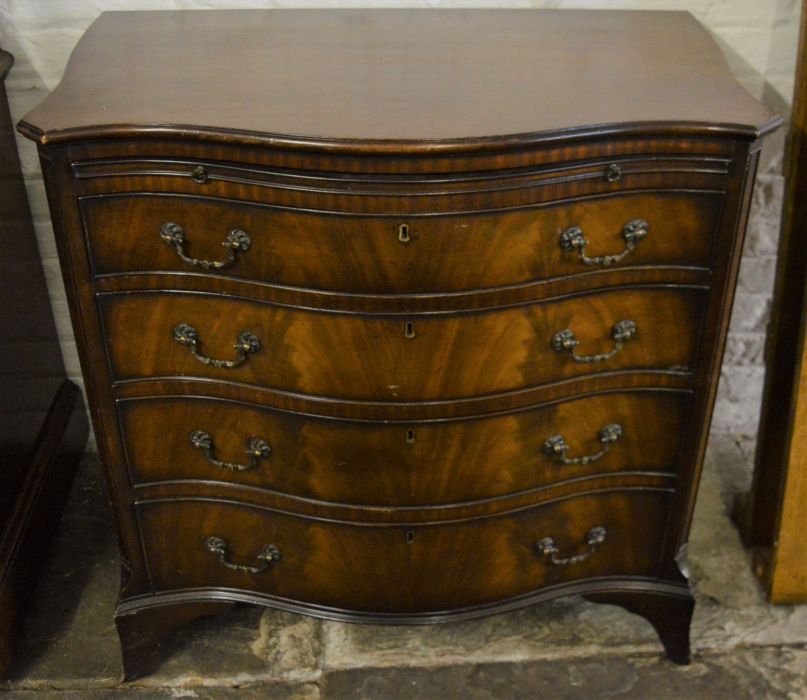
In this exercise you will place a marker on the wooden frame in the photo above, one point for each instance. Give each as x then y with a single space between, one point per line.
420 349
772 517
43 424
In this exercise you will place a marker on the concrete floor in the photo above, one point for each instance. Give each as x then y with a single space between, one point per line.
567 648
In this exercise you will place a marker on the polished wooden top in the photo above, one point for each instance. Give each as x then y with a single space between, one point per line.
395 79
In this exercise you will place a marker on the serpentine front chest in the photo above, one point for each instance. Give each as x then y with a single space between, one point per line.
399 316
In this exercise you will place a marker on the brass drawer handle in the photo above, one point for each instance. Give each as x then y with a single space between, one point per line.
574 239
174 235
557 447
613 173
256 449
622 332
199 174
267 556
245 344
594 537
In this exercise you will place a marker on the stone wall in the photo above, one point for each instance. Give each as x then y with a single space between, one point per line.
758 36
741 377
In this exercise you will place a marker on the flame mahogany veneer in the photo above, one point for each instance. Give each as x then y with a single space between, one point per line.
399 316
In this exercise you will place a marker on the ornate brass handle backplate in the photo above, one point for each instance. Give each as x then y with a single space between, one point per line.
257 448
237 240
594 537
267 556
573 239
565 341
246 343
557 447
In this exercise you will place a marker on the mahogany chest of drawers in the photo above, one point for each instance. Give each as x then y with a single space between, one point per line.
399 316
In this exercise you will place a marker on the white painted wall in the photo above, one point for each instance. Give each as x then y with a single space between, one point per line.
759 38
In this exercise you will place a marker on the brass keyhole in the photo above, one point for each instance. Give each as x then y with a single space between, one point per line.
410 436
410 537
409 329
403 233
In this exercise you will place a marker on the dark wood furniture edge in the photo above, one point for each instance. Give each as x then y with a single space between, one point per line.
142 632
6 61
25 541
756 512
488 144
670 615
263 499
145 623
46 446
748 162
76 121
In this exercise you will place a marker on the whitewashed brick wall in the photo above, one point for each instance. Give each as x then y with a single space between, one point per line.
759 38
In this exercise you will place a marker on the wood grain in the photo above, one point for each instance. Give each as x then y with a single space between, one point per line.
409 464
331 252
333 77
486 143
426 569
448 358
772 515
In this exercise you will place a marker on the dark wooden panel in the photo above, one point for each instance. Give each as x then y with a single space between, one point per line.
328 78
448 357
400 412
772 515
402 515
425 568
31 361
36 507
91 159
413 198
404 464
402 305
43 427
332 252
618 165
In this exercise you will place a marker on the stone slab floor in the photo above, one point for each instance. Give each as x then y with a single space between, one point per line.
743 648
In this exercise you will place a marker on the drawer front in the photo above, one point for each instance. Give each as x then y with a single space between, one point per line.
401 465
131 233
416 358
404 569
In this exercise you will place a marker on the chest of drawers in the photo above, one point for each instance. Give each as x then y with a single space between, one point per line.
399 316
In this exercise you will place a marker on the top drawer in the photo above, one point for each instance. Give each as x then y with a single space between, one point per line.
137 233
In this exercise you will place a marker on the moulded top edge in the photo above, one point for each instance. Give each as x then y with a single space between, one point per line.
469 145
386 81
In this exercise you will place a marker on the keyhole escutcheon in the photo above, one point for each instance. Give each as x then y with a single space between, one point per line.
403 233
409 329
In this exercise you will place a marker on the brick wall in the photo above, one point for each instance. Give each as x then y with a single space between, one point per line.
759 39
